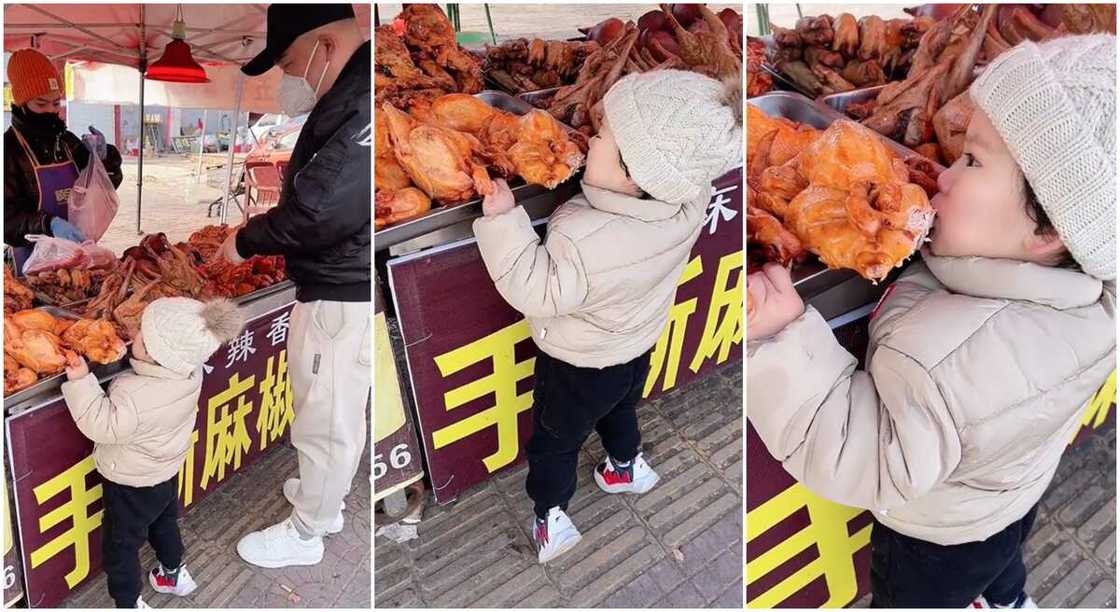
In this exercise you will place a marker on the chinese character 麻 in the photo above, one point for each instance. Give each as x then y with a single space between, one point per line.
278 330
498 348
667 352
276 411
716 209
724 325
226 435
827 530
240 348
74 511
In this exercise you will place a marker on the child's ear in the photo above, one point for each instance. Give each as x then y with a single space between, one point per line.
1045 246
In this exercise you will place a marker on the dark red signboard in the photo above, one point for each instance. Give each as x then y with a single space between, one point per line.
470 355
244 409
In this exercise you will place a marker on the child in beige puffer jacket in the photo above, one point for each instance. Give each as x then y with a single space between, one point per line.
597 292
982 357
141 431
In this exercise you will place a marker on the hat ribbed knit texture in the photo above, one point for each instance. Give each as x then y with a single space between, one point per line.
32 75
175 334
1054 105
674 131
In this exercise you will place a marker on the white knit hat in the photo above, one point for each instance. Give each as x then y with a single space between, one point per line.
180 334
677 131
1054 104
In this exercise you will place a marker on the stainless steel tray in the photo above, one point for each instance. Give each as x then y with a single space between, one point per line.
532 97
445 216
795 107
840 102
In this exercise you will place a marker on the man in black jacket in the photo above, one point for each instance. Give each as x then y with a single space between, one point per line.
322 228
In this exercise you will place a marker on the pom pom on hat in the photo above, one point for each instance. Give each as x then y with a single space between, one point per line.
180 333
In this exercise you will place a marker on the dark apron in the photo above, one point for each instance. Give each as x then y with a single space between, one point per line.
53 182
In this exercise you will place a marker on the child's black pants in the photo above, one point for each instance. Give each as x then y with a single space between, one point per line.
134 515
911 573
568 403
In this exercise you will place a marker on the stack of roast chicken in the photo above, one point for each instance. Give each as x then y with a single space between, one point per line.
841 194
825 55
929 111
417 58
38 344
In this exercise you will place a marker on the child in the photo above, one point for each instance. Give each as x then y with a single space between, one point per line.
597 292
141 432
982 357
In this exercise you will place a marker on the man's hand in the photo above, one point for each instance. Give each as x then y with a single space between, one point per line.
774 302
229 250
500 201
76 368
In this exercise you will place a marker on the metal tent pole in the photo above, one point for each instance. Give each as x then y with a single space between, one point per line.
143 66
201 147
232 143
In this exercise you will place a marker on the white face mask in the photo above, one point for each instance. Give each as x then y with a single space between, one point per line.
296 94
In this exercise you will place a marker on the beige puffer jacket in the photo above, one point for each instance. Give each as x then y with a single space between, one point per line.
142 428
597 293
978 371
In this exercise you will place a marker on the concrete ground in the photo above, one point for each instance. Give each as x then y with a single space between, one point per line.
679 545
1071 554
252 499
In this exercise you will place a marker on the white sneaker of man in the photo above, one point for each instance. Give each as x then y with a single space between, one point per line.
141 604
554 535
280 546
291 485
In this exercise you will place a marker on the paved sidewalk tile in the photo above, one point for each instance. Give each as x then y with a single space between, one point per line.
678 546
252 499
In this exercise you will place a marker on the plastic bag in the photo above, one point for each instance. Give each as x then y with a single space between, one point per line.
93 200
53 253
99 256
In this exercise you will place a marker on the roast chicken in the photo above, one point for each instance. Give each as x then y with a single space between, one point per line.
97 339
395 206
34 348
857 208
444 163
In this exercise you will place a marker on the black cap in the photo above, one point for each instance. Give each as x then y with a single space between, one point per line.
287 22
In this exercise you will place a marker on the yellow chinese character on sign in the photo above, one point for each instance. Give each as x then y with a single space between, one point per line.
224 446
666 354
1099 406
76 512
724 326
186 474
827 530
502 382
276 411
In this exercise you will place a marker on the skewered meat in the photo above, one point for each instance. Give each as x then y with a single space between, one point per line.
16 295
522 65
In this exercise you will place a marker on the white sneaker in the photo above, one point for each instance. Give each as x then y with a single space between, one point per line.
291 485
554 536
280 546
982 602
140 603
638 477
184 585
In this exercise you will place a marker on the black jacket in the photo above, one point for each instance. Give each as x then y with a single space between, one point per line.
322 223
21 194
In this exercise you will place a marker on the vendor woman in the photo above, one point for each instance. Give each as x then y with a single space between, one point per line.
41 158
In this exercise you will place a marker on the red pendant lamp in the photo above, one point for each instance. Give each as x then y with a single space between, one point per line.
176 65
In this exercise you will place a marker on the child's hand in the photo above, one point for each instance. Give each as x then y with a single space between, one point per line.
76 368
500 201
774 301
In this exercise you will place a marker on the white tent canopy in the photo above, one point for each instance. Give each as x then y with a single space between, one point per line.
107 36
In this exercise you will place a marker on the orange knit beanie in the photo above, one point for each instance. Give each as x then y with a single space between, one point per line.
31 75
